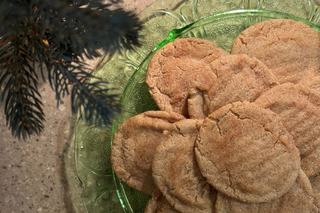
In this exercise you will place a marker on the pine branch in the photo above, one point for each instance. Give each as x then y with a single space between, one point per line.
56 35
23 107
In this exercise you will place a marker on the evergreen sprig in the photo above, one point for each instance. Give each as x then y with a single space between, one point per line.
53 37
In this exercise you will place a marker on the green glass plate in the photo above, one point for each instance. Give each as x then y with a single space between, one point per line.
219 21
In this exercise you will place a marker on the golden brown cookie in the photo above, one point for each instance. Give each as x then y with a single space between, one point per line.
173 68
176 173
239 78
299 199
245 152
159 204
134 144
300 117
290 49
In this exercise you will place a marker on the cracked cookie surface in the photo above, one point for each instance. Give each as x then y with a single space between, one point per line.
239 78
299 110
174 68
312 86
299 199
245 152
290 49
176 173
159 204
134 144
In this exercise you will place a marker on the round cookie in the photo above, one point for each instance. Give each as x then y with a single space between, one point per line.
159 204
301 117
134 144
290 49
173 68
245 152
176 173
299 199
171 92
239 78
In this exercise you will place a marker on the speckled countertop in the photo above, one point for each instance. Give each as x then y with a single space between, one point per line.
38 175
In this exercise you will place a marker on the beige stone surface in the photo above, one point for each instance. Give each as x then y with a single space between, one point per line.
38 175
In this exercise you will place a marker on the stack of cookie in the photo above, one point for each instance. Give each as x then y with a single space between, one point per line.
236 132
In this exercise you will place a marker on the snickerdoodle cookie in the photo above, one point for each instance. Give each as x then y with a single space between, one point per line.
301 117
176 173
246 153
134 144
299 199
173 68
290 49
238 78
